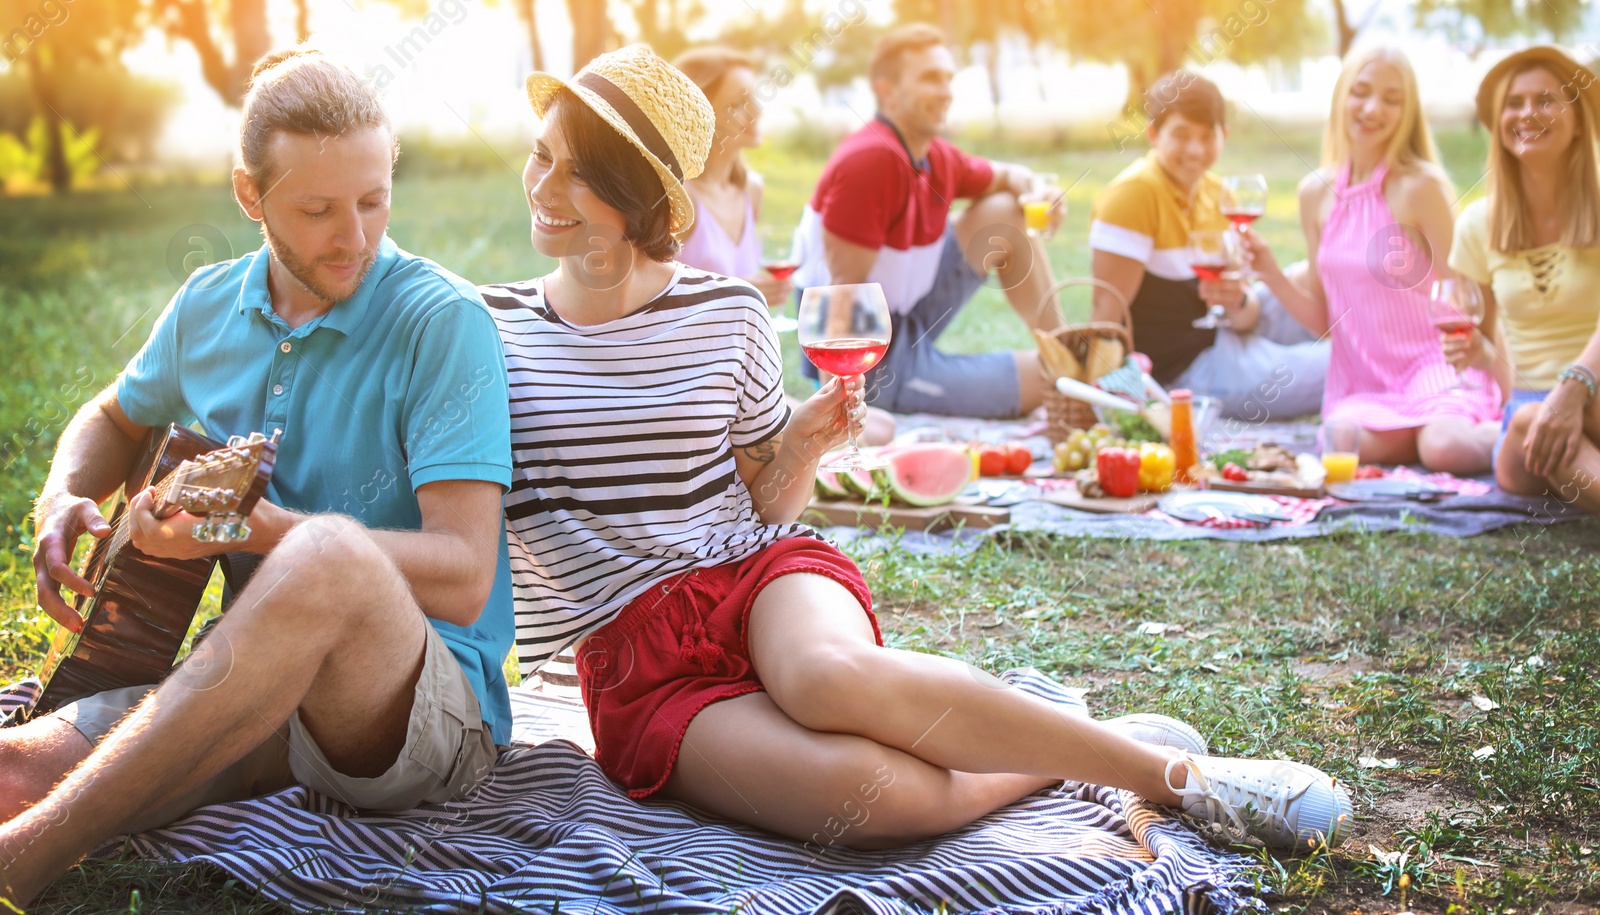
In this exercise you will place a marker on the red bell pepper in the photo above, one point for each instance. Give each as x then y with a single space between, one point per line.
1118 471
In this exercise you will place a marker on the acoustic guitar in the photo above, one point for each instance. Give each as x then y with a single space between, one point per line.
143 605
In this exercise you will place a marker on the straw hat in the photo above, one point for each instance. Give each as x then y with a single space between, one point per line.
654 106
1579 78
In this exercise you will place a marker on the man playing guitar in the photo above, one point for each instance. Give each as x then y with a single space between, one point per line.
364 658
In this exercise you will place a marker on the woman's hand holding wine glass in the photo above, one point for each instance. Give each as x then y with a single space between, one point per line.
1456 306
779 261
844 331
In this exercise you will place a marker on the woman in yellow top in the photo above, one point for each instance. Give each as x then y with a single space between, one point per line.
1533 242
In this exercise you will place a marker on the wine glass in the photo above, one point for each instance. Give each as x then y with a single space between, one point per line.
1212 253
780 258
844 331
1244 198
1044 196
1456 306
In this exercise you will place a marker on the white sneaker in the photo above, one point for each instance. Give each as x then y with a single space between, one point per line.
1284 804
1159 730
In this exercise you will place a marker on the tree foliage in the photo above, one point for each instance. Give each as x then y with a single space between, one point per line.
50 41
1506 18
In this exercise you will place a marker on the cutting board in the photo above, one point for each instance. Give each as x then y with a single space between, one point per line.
843 512
1132 505
1267 489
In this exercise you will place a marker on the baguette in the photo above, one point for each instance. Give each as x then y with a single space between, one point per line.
1105 355
1056 360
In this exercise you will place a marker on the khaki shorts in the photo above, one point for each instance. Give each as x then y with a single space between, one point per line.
448 748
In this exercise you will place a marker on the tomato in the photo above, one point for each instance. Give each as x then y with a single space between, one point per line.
991 461
1232 471
1018 458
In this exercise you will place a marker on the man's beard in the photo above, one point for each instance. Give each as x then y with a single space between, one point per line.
306 271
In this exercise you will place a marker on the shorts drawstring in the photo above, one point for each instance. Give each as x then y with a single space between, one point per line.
694 644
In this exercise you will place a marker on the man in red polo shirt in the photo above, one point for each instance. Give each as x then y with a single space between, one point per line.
881 214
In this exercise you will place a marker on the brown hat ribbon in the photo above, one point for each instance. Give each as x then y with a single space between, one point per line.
635 118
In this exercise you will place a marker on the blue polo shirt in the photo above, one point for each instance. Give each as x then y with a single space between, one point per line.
401 384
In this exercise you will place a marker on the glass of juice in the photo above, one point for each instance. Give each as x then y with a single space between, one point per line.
1043 198
844 331
1340 443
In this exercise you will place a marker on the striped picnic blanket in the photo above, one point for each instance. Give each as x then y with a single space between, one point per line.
548 833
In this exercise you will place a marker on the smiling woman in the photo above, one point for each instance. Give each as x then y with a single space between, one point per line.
616 174
1377 221
652 522
1533 245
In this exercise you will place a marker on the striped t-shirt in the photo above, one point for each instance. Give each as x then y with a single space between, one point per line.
622 438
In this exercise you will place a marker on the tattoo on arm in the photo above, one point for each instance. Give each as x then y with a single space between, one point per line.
766 452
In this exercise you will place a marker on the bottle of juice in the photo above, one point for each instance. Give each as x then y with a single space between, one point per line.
1184 452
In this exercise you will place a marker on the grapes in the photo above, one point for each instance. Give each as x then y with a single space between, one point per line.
1082 445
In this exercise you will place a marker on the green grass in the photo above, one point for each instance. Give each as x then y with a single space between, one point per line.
1326 650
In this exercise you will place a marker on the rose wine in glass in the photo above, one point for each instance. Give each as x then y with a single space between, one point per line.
1244 198
844 331
1456 306
779 258
1212 254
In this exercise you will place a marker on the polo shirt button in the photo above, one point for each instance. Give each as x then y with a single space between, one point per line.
285 346
277 389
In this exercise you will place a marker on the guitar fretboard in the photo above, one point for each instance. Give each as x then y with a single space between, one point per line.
122 529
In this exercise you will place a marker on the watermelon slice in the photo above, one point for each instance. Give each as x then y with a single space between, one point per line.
828 485
860 483
926 475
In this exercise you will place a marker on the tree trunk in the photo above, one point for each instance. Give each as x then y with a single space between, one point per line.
251 41
56 169
590 30
528 10
1138 84
302 20
1347 32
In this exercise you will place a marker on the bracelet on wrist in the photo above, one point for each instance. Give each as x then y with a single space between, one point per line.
1581 375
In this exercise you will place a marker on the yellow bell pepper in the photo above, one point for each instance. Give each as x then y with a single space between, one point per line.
1157 463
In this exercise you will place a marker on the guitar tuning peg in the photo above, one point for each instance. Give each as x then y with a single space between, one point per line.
276 434
238 531
255 437
206 531
235 441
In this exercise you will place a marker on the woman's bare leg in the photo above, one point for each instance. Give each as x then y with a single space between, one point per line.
1389 446
744 759
1577 485
813 649
1457 446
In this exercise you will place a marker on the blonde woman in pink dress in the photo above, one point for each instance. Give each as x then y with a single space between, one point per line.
1377 219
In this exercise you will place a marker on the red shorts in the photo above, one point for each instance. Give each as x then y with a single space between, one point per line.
681 646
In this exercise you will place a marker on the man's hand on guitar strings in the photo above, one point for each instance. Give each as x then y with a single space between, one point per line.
64 521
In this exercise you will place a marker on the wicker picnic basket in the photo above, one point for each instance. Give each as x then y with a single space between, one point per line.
1062 413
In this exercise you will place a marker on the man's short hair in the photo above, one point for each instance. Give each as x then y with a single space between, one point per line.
302 91
1180 92
889 53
